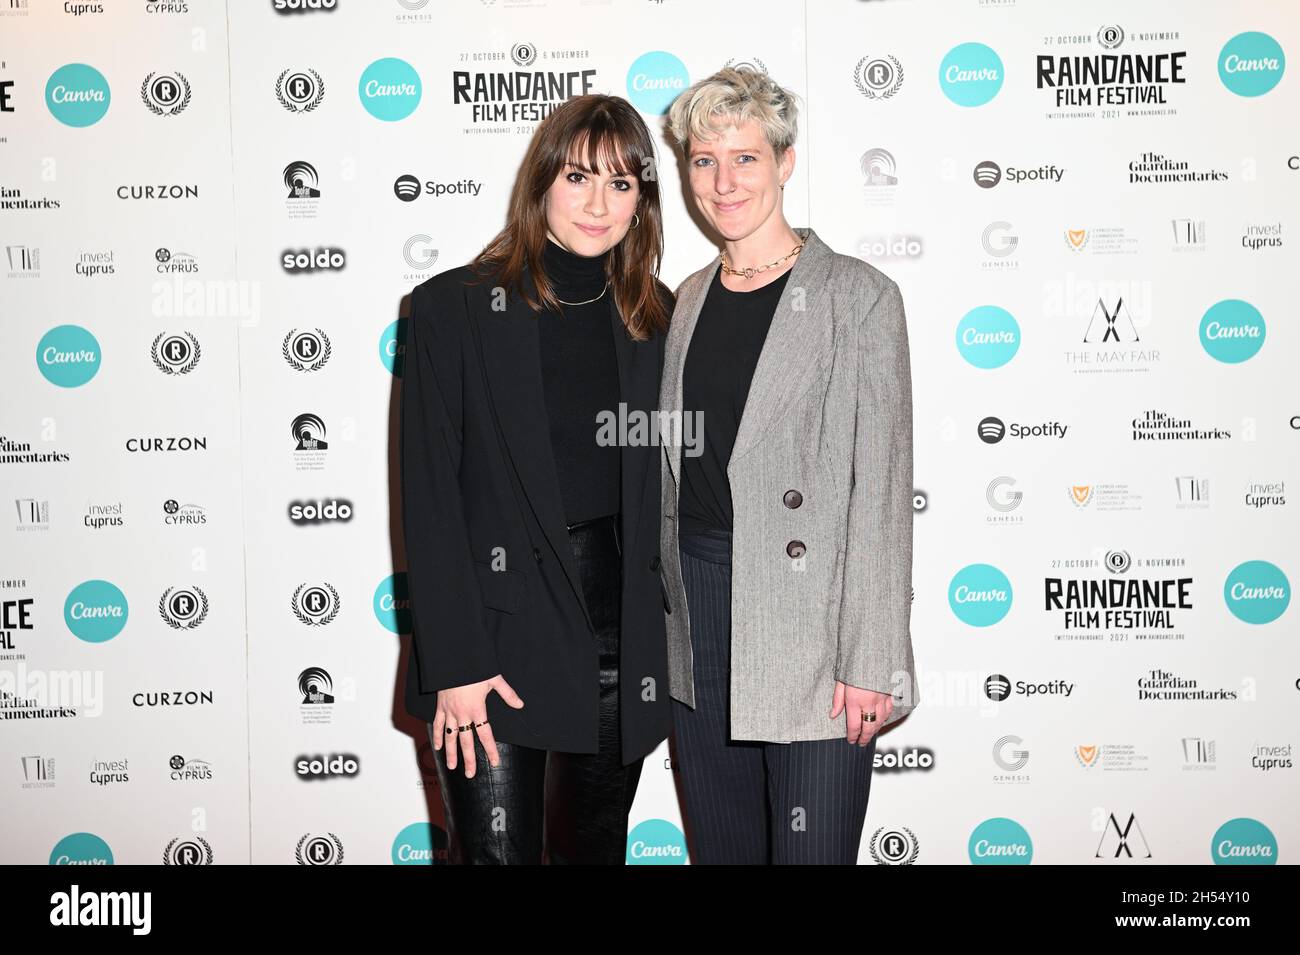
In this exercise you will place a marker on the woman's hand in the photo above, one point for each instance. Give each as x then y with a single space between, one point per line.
859 703
467 706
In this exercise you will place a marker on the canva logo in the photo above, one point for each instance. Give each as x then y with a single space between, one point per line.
81 848
1257 592
393 603
390 89
1251 64
1243 842
979 595
656 842
1000 841
391 347
971 74
77 95
988 336
95 611
420 843
1232 331
68 356
655 80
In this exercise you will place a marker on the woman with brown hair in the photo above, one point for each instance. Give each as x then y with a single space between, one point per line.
532 531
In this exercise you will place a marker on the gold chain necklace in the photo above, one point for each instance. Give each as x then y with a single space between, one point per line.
749 273
588 301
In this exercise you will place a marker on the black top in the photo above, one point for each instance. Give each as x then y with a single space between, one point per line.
580 379
720 364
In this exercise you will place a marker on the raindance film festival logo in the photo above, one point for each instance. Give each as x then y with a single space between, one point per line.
1112 79
183 608
315 605
878 77
299 91
306 350
498 101
165 94
1118 608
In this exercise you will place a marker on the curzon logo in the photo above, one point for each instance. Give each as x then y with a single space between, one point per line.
979 595
305 260
971 74
988 336
77 95
1251 64
68 356
1000 841
390 89
1232 331
1257 592
654 80
95 611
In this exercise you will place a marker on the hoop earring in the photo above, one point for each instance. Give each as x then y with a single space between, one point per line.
636 220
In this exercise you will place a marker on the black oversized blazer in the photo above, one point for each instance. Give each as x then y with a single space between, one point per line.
479 481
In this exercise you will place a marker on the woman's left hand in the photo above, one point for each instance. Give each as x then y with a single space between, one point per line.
859 702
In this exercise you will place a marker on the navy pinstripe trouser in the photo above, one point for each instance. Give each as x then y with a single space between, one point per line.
752 803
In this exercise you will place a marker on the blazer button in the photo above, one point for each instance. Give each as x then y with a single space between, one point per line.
537 555
655 562
792 499
795 549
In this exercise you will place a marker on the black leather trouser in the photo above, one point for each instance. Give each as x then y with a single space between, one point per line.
536 805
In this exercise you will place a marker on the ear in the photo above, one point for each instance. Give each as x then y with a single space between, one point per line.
787 163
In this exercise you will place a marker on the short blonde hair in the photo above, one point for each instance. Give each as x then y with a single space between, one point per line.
732 96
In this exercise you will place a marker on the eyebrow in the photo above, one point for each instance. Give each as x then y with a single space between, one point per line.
698 150
583 169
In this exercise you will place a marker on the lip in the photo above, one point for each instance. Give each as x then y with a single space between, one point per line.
592 229
729 206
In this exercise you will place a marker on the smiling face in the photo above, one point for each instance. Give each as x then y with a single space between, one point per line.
736 179
589 211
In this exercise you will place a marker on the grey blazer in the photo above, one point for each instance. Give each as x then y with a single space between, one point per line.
821 590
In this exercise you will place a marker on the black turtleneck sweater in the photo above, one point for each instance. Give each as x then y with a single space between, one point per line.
580 379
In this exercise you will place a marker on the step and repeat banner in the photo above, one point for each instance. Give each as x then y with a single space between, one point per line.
212 215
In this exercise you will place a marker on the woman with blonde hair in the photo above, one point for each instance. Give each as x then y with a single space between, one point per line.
531 539
787 543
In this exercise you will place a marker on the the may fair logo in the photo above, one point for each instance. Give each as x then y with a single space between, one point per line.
1122 606
539 82
1111 79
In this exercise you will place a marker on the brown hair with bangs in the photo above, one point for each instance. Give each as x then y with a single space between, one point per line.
614 137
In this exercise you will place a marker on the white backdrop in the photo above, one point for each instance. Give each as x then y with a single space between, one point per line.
177 640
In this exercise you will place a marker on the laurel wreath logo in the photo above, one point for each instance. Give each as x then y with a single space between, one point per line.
289 104
154 107
309 621
195 353
870 93
207 851
324 356
176 624
338 844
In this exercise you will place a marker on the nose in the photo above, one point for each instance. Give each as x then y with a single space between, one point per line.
595 205
724 183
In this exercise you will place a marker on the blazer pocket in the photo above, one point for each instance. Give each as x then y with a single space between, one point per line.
501 589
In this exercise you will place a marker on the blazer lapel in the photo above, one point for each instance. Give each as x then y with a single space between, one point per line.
512 359
788 351
685 316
